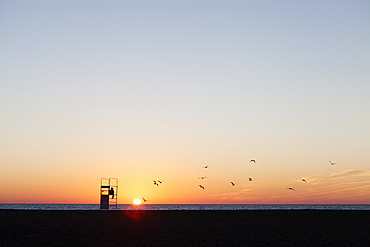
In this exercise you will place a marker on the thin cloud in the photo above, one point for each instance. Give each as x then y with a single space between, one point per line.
347 173
230 194
352 188
233 195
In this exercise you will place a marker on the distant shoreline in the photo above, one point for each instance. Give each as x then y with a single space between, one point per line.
148 206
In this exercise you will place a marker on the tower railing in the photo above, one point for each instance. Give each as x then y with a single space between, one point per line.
108 192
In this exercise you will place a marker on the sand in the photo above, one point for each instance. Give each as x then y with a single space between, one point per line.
185 228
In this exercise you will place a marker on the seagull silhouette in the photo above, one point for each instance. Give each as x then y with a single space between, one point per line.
232 183
253 161
202 177
331 163
144 200
157 182
290 189
304 180
250 179
200 186
205 166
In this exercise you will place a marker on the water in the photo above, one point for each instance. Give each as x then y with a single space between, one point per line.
190 206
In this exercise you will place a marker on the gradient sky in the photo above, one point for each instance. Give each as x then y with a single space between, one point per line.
143 90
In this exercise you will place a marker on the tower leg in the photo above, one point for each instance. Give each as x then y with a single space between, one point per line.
104 202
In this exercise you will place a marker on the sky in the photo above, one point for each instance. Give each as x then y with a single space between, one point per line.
156 90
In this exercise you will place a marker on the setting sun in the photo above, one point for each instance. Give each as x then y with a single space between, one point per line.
137 202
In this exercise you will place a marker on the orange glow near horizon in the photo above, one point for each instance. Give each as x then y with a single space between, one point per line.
343 187
181 174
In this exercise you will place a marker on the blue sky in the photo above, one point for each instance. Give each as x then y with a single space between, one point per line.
138 83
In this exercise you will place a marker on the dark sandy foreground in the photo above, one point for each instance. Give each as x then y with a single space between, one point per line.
184 228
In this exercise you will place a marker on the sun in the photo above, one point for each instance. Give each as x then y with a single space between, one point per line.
137 201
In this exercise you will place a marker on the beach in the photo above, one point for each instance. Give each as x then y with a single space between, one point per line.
185 228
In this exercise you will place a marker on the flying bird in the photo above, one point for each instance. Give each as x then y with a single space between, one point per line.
304 180
331 163
157 182
202 177
232 183
205 166
144 200
200 186
290 189
250 179
253 161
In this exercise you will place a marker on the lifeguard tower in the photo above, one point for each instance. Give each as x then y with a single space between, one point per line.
108 192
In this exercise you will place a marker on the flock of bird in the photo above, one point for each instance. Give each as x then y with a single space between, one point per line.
232 183
158 182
